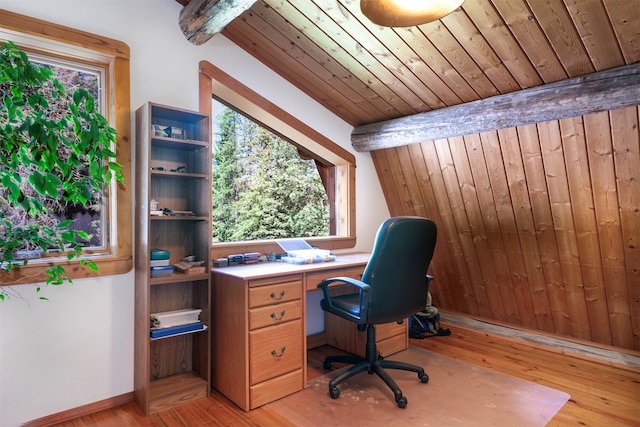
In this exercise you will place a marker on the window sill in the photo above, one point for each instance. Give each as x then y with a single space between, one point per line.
222 250
33 272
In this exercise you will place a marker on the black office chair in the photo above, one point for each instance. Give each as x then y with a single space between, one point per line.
394 286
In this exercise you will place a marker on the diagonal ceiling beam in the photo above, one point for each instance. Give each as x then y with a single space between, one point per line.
202 19
602 91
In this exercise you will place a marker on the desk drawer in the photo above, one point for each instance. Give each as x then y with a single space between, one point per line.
275 294
342 334
274 314
274 389
391 345
313 279
275 350
388 330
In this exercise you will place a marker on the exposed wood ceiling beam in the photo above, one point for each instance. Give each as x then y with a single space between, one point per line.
606 90
202 19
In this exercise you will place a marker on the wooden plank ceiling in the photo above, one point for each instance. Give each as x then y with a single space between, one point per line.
365 73
538 225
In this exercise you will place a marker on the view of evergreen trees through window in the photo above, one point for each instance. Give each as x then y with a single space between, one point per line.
262 189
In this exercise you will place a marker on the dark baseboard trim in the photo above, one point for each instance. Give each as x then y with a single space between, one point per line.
81 411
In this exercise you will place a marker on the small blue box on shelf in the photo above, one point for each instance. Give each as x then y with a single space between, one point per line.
163 271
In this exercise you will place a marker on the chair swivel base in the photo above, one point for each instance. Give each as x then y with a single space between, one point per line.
372 364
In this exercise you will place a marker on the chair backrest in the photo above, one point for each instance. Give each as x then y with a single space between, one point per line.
397 268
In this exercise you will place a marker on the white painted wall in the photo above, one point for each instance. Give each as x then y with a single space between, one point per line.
77 348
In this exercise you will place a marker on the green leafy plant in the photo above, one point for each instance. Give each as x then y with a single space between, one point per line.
56 148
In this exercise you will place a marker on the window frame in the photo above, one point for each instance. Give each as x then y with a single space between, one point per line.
55 40
229 90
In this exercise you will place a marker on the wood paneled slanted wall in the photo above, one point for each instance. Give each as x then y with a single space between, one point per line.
539 225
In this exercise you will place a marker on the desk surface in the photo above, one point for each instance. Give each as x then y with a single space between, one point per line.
270 269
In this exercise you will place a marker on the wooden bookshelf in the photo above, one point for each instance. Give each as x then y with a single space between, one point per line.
175 171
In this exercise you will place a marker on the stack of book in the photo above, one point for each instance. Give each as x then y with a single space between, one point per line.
160 263
175 322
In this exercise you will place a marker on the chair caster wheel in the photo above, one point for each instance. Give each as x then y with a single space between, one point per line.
402 402
334 393
327 364
424 378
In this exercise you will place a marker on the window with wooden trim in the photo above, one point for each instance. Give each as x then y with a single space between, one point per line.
335 165
264 186
107 60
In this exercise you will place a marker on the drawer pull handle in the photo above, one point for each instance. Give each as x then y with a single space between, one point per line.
273 295
273 316
273 352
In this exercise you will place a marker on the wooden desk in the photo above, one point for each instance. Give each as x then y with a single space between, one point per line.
259 345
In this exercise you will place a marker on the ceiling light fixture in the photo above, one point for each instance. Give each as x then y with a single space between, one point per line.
407 13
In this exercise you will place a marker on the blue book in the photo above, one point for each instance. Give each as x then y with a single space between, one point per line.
175 330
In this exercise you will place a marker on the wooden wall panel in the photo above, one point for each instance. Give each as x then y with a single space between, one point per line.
454 259
544 228
626 143
538 226
580 190
494 245
458 212
602 168
564 228
448 271
507 231
525 226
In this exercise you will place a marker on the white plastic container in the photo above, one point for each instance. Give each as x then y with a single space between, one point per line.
175 318
311 255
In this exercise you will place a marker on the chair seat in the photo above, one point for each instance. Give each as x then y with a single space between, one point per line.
349 303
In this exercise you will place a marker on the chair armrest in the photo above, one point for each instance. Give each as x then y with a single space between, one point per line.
363 290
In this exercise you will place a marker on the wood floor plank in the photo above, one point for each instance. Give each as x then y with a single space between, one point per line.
592 402
520 360
602 394
587 391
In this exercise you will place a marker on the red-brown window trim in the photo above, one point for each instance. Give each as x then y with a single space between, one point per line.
322 147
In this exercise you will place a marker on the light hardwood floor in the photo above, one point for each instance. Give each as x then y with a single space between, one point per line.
602 393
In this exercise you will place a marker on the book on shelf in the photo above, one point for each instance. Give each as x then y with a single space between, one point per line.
170 212
177 329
